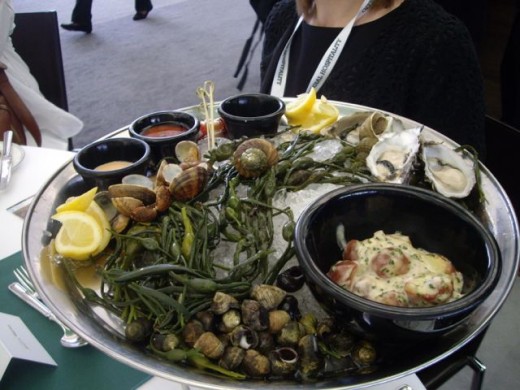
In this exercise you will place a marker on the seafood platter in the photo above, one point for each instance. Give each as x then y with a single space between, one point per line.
194 277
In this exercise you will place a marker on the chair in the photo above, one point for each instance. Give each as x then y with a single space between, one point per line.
36 39
436 375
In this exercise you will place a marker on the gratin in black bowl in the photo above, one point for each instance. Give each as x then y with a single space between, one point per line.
132 150
251 114
164 147
432 222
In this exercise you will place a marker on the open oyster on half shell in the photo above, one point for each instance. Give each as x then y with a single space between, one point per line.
450 173
391 159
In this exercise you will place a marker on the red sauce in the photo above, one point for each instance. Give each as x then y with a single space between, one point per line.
164 130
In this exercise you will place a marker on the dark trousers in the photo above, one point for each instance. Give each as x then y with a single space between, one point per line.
82 12
143 5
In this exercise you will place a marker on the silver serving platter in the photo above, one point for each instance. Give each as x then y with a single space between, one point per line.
103 330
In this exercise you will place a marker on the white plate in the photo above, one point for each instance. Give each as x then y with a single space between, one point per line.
16 151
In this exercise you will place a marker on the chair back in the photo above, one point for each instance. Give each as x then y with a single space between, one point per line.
36 39
502 145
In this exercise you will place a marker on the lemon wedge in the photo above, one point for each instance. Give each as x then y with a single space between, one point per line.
323 114
99 215
297 110
80 235
78 203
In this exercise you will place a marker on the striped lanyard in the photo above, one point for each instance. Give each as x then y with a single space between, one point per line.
327 62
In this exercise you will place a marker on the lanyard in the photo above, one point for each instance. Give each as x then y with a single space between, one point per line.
327 62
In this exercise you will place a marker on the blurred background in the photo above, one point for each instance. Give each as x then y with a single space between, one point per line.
127 68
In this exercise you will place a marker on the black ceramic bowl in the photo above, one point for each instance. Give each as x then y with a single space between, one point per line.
432 222
182 126
133 153
251 114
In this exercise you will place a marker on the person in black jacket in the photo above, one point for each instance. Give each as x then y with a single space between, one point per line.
82 15
474 15
408 57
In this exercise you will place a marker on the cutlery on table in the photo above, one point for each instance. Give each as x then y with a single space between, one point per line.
24 289
6 161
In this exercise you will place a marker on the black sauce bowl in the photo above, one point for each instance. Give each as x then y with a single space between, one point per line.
432 222
251 114
108 150
164 147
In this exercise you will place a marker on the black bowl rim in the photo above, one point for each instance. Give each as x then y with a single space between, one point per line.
84 171
274 114
188 133
394 312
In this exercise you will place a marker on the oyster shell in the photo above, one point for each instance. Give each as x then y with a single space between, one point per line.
391 159
363 125
346 124
375 125
451 174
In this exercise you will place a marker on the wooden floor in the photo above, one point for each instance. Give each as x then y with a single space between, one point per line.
499 21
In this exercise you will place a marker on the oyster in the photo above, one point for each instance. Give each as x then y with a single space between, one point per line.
451 174
391 159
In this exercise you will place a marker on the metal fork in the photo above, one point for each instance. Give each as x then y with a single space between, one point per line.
69 338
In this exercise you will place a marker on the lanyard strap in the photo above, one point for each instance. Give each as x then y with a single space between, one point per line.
327 62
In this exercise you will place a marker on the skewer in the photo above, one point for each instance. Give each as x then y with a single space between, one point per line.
204 93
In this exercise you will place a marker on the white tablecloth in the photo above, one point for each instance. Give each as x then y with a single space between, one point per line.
31 173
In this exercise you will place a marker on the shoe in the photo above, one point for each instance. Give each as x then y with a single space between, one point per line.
140 15
77 27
